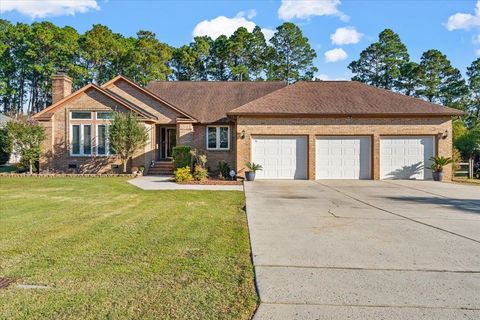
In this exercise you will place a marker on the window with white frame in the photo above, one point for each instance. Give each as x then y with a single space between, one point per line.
104 115
103 145
81 115
218 137
81 139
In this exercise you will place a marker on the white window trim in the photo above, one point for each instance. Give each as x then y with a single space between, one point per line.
84 111
81 140
107 141
218 138
97 118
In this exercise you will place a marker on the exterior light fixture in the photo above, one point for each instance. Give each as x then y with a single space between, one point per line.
242 134
443 135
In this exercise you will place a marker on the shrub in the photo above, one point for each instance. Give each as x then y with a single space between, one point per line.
200 173
183 175
252 166
198 157
438 162
223 169
182 157
5 146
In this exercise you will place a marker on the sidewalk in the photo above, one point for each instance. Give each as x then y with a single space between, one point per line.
165 183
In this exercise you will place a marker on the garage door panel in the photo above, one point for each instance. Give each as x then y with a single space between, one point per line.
406 157
343 158
282 157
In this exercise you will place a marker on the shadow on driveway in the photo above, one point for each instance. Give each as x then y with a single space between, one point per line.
468 205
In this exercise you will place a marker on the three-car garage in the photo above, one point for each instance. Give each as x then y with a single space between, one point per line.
343 157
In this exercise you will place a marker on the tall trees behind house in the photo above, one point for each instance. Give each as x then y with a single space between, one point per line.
386 64
380 63
31 54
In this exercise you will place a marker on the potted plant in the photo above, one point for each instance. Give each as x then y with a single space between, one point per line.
141 169
438 162
253 167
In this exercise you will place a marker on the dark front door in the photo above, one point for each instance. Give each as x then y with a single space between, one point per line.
168 140
171 141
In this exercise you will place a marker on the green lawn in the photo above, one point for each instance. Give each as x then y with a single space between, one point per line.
112 251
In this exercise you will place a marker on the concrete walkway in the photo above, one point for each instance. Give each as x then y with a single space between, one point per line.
365 249
166 183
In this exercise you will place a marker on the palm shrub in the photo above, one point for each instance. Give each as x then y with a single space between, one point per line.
126 136
438 162
254 167
223 169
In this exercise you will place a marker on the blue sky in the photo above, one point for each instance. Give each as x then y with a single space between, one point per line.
337 30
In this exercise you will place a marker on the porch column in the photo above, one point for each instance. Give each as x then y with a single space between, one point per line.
376 156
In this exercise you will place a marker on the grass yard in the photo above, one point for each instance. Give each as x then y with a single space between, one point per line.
110 250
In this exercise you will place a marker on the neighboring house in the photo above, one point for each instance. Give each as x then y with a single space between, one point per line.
15 155
308 130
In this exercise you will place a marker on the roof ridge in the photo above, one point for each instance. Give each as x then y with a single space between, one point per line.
388 91
216 81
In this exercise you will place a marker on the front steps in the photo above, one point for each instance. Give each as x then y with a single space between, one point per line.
161 168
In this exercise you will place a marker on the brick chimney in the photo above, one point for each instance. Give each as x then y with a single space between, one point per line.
61 86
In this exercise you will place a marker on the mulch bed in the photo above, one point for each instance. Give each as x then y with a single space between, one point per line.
214 182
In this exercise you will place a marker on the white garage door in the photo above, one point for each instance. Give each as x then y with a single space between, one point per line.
282 157
406 157
343 158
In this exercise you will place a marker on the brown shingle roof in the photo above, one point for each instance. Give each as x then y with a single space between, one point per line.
209 101
340 98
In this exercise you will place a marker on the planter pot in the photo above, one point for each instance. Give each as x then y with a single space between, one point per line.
250 176
437 176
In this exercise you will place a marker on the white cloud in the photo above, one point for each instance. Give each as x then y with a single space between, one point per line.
477 52
268 33
48 8
227 26
304 9
334 55
347 35
464 20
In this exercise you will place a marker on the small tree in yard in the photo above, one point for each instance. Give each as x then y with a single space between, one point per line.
126 136
27 137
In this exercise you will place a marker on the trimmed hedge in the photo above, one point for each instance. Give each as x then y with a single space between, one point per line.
182 157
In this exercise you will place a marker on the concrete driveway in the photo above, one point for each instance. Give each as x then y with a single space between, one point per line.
365 249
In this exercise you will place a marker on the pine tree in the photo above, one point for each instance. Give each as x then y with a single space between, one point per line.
380 64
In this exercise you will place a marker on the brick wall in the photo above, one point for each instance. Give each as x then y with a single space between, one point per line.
312 127
57 158
214 156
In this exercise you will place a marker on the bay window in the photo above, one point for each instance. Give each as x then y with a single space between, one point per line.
218 137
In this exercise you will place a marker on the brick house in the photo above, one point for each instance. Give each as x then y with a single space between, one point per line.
308 130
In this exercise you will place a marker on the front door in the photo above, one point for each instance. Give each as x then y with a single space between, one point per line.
171 141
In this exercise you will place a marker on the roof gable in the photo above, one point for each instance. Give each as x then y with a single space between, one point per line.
148 93
48 112
340 98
